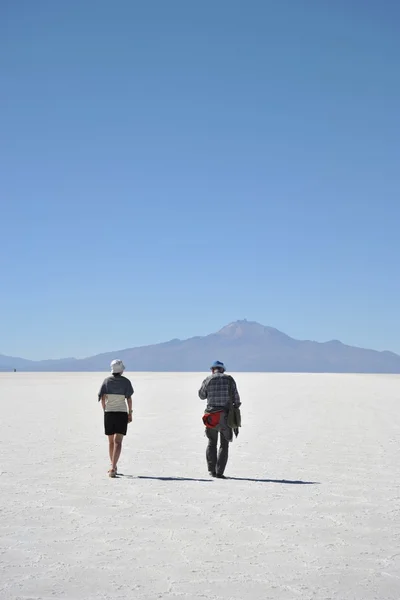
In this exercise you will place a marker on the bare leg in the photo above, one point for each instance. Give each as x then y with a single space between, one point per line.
111 446
117 449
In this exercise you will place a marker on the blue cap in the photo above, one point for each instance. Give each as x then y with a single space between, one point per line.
217 364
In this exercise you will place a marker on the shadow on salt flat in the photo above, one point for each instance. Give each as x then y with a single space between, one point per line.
163 478
174 478
281 481
292 482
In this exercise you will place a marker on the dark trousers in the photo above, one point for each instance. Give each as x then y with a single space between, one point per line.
217 458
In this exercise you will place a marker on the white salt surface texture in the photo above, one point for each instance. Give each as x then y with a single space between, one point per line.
311 510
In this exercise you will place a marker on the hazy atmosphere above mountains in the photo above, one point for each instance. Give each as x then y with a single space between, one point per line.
242 345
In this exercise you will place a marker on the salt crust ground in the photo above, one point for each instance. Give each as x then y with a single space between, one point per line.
311 511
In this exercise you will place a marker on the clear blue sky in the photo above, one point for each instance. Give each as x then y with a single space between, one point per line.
169 167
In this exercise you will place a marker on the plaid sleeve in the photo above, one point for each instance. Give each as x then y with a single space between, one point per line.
203 390
236 395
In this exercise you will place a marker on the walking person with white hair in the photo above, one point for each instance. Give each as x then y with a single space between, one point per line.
116 399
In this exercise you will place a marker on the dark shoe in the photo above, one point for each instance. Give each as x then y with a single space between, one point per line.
212 473
220 476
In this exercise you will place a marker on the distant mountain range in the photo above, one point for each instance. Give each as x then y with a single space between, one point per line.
242 346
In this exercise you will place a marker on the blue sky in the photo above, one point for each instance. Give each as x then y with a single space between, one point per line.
169 167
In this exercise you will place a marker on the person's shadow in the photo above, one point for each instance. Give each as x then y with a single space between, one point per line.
281 481
163 478
290 481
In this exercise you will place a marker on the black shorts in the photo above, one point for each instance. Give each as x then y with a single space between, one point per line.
115 422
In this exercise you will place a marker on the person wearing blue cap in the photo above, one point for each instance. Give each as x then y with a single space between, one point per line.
220 391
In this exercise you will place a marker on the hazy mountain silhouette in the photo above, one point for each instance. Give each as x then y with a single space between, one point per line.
242 345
